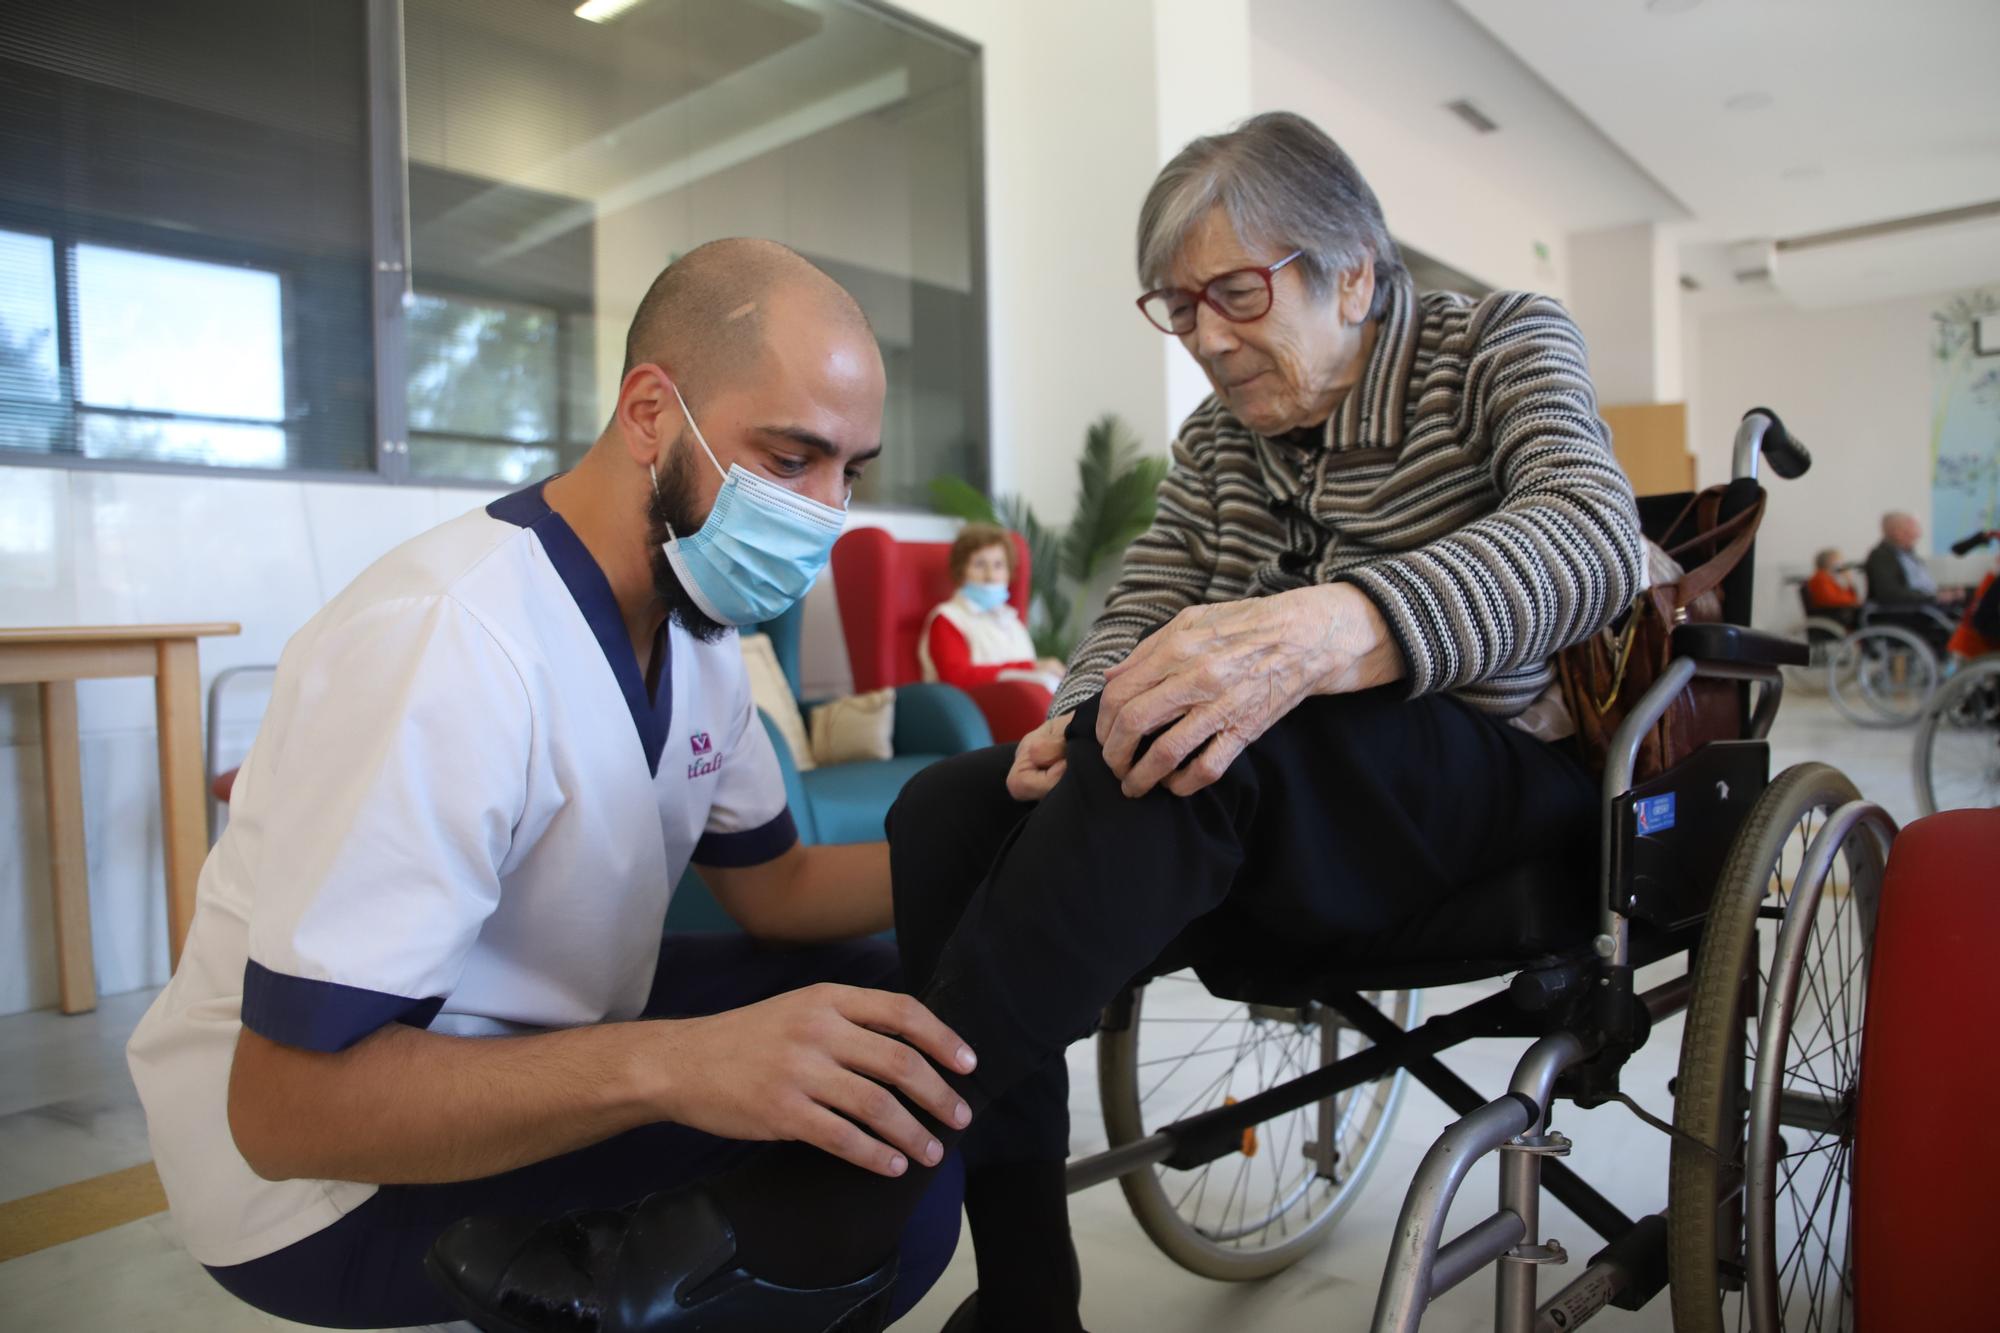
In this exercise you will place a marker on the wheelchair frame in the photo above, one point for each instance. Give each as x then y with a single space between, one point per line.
1583 1057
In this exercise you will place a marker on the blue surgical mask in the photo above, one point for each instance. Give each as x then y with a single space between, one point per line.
985 596
759 549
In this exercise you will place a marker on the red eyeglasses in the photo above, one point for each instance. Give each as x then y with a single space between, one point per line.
1240 296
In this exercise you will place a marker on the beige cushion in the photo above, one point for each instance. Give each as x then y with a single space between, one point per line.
855 728
773 693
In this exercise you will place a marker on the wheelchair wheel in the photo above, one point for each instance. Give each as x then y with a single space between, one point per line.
1823 637
1958 743
1803 1233
1262 1208
1882 676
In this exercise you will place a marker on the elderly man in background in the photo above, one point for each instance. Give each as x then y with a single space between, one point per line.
1897 575
1319 700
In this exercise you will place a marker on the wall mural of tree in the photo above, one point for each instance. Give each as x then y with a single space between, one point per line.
1965 419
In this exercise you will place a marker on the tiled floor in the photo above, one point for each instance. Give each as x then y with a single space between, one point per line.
67 1113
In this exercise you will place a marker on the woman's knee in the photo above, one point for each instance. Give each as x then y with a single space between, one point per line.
948 792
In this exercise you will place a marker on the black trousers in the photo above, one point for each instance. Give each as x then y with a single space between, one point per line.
1018 923
366 1270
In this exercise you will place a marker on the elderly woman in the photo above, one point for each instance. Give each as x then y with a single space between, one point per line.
1318 702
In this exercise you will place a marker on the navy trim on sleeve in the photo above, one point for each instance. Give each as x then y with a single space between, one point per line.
751 847
323 1015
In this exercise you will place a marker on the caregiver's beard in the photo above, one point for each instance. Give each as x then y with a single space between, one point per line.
671 505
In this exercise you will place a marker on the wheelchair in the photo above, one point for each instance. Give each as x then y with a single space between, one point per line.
1824 630
1244 1121
1885 672
1957 757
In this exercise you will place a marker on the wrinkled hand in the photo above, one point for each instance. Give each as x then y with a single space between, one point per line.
1039 760
1216 677
816 1065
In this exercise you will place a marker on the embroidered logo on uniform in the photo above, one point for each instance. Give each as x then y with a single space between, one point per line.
706 760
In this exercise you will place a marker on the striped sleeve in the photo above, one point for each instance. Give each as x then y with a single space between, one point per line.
1166 570
1559 556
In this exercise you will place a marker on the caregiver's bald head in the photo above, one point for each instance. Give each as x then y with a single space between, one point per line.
710 317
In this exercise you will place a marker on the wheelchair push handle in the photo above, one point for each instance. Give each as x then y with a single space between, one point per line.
1967 545
1762 435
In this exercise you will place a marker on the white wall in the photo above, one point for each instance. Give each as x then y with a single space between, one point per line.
1212 37
1070 146
1855 383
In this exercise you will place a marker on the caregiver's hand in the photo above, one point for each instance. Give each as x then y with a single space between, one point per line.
1039 760
1216 677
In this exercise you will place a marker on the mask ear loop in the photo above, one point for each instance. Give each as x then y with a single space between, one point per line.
673 538
699 438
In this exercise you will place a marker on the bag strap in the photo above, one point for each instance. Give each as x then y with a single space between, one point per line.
1709 575
1710 502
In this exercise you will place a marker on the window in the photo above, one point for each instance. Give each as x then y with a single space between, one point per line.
30 383
178 360
486 390
184 193
303 237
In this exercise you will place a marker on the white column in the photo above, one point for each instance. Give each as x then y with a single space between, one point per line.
1624 289
1201 56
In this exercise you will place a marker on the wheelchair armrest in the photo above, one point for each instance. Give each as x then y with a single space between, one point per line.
1733 643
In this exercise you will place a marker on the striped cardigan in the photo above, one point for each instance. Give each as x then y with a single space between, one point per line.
1466 485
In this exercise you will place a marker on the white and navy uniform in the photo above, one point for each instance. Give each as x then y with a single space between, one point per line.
466 810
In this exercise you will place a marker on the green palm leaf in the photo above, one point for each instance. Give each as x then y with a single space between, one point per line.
1116 485
956 497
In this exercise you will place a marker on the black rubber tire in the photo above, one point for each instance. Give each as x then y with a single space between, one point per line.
1711 1092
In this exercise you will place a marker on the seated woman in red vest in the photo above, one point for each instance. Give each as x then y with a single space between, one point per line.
1829 588
976 638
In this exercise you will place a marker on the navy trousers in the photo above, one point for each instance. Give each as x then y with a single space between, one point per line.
366 1270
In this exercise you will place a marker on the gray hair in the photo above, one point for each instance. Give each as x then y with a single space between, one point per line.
1282 182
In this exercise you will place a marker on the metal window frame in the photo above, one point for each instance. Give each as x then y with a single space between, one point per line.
390 260
389 235
75 408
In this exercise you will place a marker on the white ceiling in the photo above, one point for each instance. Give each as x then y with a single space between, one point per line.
1859 111
1418 55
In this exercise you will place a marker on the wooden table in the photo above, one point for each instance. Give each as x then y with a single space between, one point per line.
55 660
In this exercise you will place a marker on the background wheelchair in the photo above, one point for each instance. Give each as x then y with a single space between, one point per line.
1886 670
1243 1127
1957 755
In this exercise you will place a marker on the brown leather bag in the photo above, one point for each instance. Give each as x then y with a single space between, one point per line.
1605 675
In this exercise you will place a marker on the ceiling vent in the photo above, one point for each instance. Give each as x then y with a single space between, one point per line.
1472 115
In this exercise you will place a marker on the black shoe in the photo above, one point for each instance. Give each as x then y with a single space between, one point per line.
665 1265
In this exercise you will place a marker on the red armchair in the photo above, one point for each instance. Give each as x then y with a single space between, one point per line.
886 588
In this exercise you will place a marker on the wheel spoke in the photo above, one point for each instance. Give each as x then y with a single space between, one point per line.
1199 1042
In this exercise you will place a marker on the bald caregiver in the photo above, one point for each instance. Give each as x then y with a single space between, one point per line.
429 978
